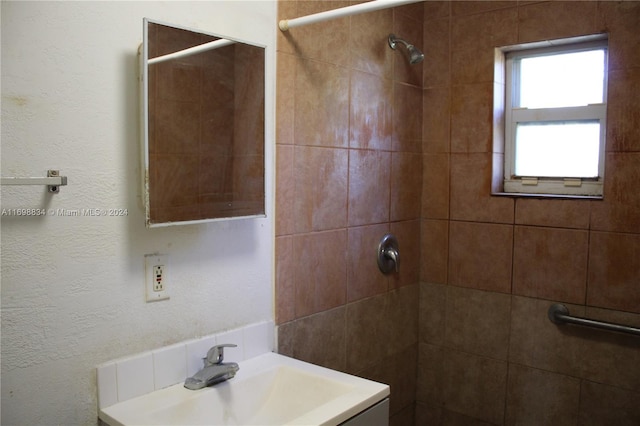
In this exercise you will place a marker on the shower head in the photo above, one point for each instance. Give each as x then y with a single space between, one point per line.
415 55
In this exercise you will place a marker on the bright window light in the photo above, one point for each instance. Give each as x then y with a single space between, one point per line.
558 149
562 80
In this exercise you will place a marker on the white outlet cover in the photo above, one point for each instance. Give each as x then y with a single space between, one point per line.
150 261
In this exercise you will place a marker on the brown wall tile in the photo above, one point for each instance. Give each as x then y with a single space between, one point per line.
620 20
434 251
320 188
414 10
473 7
615 216
436 66
478 322
480 256
582 352
620 209
410 28
369 177
608 405
364 277
399 371
435 186
473 40
451 418
406 416
432 313
285 281
558 250
286 336
470 193
431 377
458 387
324 41
554 213
474 385
610 358
406 186
346 117
321 104
285 105
371 112
437 63
557 19
287 9
614 271
537 342
437 113
285 195
408 234
320 271
550 263
367 328
436 9
402 326
369 51
538 397
623 110
321 339
472 117
407 118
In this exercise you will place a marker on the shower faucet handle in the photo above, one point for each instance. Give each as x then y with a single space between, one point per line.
388 254
392 253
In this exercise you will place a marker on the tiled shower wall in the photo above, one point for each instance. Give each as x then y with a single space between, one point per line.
349 170
491 265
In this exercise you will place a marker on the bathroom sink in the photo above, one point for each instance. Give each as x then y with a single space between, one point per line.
270 389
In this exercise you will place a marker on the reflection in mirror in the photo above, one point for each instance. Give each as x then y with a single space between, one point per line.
204 127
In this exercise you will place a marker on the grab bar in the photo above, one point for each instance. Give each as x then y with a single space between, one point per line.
559 314
53 180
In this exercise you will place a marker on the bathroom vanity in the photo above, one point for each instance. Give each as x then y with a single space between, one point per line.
269 389
378 415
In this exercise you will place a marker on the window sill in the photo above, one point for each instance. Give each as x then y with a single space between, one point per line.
550 196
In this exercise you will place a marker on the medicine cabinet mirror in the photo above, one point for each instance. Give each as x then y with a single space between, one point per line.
203 126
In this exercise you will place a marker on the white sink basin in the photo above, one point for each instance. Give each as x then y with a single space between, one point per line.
267 390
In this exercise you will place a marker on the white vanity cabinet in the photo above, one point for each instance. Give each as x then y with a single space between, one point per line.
376 415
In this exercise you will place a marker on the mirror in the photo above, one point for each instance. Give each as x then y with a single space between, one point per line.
203 126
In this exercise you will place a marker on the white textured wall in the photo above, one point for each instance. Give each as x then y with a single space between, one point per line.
73 287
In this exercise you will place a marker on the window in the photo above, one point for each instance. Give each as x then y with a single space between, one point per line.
555 117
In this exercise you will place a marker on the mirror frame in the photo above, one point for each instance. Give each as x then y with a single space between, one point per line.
143 53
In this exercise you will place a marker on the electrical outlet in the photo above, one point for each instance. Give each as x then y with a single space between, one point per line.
156 268
158 276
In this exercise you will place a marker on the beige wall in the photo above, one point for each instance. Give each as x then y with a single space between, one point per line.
72 284
491 266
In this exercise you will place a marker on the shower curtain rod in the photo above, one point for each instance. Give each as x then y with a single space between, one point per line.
192 50
370 6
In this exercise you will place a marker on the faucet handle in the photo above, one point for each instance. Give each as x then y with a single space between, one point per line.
388 254
216 354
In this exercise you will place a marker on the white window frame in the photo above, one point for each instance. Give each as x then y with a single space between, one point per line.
569 186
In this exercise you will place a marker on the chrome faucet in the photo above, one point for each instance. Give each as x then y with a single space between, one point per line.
214 370
388 254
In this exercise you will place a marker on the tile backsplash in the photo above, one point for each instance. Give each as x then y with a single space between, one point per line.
129 377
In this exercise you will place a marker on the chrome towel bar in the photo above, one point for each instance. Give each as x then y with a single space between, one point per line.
53 180
559 314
